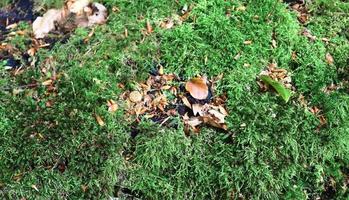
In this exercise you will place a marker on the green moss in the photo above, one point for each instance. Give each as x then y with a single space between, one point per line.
272 150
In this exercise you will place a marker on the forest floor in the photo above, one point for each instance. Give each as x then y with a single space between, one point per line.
60 138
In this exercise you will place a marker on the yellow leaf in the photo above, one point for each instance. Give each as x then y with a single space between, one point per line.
46 83
100 120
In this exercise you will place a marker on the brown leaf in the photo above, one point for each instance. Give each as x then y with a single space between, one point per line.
84 188
149 28
329 59
308 34
99 120
194 121
167 24
31 51
112 106
223 110
294 56
186 102
49 103
214 123
135 96
219 116
197 88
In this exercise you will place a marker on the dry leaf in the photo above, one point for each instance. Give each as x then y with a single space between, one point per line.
329 59
217 115
237 56
186 102
308 34
214 123
46 83
126 33
112 106
273 43
223 110
35 188
166 87
197 88
136 96
197 109
247 42
241 8
149 28
167 24
99 120
31 51
11 26
161 70
194 121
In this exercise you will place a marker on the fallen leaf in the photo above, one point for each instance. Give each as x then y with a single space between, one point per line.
294 56
241 8
84 188
31 51
112 106
197 88
217 115
329 59
161 70
11 26
308 34
167 24
280 89
136 96
46 83
166 87
194 121
99 120
149 28
35 188
197 109
273 43
126 33
237 56
186 102
214 123
223 110
247 42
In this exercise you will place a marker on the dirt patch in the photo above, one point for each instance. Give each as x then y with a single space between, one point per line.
20 10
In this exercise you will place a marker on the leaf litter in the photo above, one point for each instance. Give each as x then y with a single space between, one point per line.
163 97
